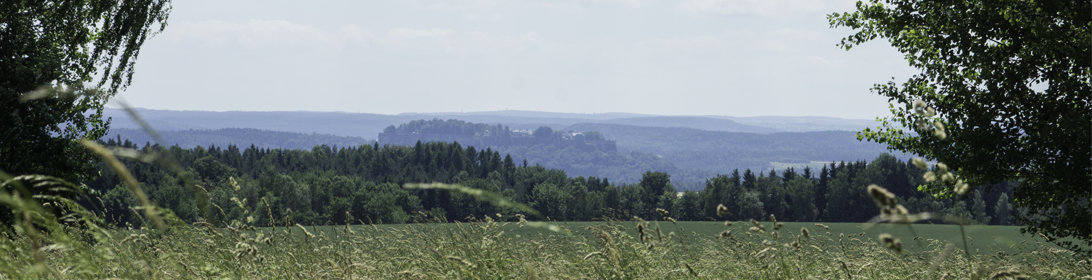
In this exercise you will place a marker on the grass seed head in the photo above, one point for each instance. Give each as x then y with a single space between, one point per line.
663 212
305 231
881 196
921 125
804 232
929 176
947 177
920 163
722 210
919 105
822 226
901 210
762 254
461 260
726 234
1009 274
758 230
759 226
891 243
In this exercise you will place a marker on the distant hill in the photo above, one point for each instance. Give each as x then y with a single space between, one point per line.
720 151
340 124
370 125
534 114
703 123
690 154
803 124
243 137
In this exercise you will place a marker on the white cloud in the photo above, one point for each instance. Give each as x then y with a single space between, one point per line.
691 45
453 5
404 32
254 34
775 8
738 42
281 35
490 18
632 4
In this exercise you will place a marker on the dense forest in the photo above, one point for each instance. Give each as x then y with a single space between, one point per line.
235 136
362 184
450 127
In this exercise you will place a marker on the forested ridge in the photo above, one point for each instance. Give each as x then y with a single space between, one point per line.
362 184
238 136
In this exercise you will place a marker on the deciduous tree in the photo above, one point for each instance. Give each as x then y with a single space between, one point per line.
50 53
1011 82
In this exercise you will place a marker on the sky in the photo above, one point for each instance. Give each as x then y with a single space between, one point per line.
683 57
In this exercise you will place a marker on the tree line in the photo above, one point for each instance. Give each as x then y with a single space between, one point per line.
225 136
362 184
450 127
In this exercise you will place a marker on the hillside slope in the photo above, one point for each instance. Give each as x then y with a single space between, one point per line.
720 151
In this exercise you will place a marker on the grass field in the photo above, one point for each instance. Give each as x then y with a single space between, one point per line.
490 249
985 239
41 245
981 239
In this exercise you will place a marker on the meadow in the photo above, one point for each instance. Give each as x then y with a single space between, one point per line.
512 248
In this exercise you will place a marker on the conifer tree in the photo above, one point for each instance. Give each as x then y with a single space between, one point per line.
978 208
1003 210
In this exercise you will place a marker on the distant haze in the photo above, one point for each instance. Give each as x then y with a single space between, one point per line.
368 126
680 58
692 148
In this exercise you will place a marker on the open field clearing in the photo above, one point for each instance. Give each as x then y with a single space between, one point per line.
513 250
981 239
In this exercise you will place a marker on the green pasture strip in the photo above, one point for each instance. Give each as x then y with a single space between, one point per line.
982 239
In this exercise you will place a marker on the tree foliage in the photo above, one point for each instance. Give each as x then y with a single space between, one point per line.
49 52
543 132
1012 83
451 127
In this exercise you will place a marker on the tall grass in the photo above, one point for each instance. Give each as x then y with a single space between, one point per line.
490 248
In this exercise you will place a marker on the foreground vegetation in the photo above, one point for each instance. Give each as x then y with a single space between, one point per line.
489 248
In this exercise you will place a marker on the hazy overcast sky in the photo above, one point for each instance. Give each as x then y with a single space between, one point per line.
684 57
